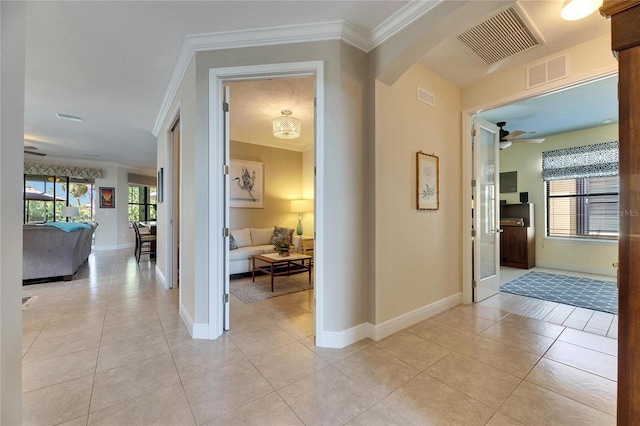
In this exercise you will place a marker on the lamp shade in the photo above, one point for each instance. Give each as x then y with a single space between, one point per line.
301 206
70 211
578 9
286 126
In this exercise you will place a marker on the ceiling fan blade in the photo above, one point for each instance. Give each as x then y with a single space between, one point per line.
529 140
34 153
513 135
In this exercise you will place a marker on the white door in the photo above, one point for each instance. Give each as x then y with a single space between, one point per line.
226 207
486 207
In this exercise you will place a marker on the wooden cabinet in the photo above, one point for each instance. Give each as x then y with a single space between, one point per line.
517 243
517 247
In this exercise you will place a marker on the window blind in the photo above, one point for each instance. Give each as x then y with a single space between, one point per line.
581 162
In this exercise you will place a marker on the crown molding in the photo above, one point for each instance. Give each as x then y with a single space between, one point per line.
399 21
272 144
299 33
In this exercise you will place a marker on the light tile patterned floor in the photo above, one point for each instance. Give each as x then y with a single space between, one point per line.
109 348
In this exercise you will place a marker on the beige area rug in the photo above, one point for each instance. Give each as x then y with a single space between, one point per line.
249 292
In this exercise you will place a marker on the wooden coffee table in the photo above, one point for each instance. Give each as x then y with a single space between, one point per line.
282 265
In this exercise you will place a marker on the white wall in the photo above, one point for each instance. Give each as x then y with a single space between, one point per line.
572 255
418 252
12 42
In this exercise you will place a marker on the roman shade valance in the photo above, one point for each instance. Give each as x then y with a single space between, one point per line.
141 179
56 170
596 160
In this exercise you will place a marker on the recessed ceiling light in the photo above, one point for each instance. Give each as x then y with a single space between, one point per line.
70 117
91 155
607 121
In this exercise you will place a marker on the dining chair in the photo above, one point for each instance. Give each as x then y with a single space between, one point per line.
147 241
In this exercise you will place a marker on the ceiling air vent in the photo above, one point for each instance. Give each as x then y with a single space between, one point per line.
501 36
549 70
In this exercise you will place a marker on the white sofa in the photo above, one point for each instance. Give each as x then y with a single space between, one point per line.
250 241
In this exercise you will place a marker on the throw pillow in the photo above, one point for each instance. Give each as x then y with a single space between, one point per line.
232 243
280 234
261 236
242 237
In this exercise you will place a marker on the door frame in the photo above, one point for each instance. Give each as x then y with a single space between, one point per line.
218 77
169 197
467 158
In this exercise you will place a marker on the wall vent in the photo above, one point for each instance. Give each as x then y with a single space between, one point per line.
426 97
503 35
550 70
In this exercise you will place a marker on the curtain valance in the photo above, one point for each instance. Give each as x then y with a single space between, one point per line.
56 170
141 179
581 162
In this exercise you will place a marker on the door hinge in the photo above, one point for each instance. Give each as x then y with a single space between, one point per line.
315 102
473 232
225 232
225 106
225 298
473 183
474 284
225 169
473 132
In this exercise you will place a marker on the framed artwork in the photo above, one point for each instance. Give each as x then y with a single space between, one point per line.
508 182
246 185
160 188
428 181
107 197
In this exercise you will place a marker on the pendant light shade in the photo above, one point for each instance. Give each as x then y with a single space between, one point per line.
286 126
578 9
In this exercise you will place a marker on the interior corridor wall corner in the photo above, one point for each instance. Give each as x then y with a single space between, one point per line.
12 72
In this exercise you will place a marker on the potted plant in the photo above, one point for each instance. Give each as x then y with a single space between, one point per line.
282 247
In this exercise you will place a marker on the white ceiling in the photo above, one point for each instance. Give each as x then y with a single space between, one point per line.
112 62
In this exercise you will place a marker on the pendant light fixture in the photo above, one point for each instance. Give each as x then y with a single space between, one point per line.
286 126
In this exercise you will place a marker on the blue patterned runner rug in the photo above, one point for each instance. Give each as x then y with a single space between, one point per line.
581 292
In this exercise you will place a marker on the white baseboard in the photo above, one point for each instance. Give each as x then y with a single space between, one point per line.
611 272
403 321
197 331
340 339
161 278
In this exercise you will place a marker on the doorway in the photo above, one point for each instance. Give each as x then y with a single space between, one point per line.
219 154
174 221
535 192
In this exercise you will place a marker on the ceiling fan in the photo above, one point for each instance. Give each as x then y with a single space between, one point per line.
28 149
506 137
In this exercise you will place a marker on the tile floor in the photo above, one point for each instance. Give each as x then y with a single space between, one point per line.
109 348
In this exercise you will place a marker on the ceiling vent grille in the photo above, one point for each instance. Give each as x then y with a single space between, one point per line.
499 37
547 71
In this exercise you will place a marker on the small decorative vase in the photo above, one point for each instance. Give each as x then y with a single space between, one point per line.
284 253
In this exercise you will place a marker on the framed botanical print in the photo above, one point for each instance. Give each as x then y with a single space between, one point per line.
246 186
428 183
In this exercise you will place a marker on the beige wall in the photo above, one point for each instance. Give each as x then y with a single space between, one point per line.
418 252
283 182
308 188
593 257
343 180
184 104
12 42
586 61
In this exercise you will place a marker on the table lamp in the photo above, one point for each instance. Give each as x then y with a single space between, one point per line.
70 211
301 206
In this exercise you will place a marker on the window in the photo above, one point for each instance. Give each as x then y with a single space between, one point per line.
142 203
583 208
45 196
582 189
